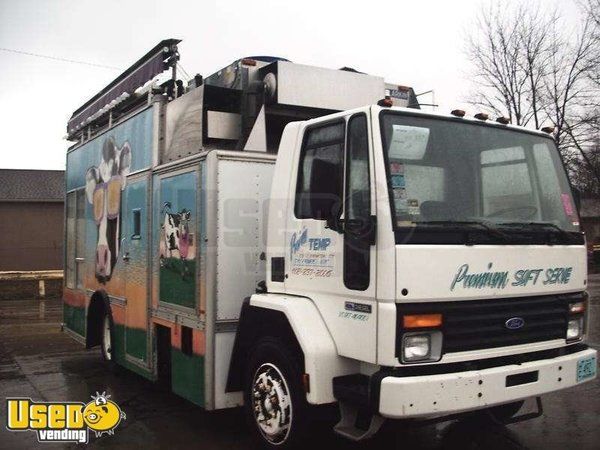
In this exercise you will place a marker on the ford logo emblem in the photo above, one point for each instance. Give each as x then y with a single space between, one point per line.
514 323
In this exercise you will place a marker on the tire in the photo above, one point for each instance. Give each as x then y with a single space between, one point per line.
107 338
503 413
274 400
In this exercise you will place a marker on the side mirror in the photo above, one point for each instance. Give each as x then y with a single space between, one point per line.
325 201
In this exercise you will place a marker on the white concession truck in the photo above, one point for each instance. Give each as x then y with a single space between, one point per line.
280 236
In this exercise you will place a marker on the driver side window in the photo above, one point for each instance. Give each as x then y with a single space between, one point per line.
320 174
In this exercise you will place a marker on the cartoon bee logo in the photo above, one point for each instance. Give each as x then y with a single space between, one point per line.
102 415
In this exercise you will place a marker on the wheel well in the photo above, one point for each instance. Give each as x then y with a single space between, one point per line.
254 324
99 306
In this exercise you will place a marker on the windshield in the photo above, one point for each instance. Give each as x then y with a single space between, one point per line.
450 172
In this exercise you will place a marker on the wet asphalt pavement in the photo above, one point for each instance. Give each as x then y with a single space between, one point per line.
38 361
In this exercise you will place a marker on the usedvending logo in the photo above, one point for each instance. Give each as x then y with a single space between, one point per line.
64 421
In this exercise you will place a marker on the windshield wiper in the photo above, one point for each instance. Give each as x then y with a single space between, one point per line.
562 232
483 225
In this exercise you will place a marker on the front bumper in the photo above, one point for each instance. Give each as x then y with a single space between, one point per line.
448 393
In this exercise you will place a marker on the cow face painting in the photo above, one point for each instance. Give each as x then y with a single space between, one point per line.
103 187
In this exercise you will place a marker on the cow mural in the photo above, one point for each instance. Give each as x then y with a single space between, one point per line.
176 239
103 186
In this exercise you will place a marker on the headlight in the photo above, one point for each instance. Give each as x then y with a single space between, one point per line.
423 346
575 329
417 347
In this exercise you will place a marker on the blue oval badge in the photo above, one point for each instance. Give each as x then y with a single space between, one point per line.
514 323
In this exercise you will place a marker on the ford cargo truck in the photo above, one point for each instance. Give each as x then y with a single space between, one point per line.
281 236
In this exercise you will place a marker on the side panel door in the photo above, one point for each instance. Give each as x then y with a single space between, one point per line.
329 258
135 246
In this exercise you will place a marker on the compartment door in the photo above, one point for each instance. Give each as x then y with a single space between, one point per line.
136 240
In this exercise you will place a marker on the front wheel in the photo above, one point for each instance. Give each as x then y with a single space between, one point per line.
274 401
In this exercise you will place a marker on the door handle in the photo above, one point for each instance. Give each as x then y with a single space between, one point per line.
126 257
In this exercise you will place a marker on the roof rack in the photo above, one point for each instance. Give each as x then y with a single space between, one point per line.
157 60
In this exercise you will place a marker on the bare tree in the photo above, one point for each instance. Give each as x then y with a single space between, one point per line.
570 98
534 68
510 49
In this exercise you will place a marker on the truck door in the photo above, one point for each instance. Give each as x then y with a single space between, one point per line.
135 240
331 232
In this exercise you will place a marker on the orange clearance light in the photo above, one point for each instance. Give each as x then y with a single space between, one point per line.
458 113
248 62
503 120
481 116
422 320
548 130
385 102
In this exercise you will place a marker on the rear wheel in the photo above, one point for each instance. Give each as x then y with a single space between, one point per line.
275 402
107 338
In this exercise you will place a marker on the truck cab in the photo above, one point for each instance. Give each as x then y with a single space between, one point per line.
427 265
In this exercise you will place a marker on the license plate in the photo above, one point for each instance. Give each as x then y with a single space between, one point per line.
586 368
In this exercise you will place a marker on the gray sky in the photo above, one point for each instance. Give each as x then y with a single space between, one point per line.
417 43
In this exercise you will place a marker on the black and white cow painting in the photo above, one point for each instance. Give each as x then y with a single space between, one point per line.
103 186
176 236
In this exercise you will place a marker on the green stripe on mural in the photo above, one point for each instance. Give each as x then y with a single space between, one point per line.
119 349
135 340
74 318
187 376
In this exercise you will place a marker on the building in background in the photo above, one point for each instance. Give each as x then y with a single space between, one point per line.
31 219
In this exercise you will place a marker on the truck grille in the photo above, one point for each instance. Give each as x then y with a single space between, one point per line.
481 324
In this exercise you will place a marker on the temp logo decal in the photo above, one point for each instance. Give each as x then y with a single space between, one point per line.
313 257
500 279
64 421
298 240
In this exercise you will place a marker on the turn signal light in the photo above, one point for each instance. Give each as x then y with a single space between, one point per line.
249 62
422 320
577 308
458 113
481 116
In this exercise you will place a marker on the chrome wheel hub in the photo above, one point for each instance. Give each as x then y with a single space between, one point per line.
106 338
272 404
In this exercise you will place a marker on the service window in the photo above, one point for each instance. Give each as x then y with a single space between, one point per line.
320 178
176 225
75 251
71 240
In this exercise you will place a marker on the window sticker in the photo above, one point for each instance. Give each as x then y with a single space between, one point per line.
400 193
401 205
396 168
567 206
398 181
413 207
408 142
